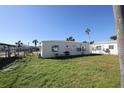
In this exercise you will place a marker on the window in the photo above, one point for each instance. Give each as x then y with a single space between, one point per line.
67 46
111 46
98 47
83 48
78 49
55 48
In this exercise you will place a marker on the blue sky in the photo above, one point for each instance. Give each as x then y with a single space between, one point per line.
27 23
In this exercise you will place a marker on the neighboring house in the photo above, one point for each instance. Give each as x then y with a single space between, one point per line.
63 48
108 47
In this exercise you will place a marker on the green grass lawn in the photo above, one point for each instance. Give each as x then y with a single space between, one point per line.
85 72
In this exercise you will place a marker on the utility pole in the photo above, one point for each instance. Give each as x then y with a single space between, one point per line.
119 22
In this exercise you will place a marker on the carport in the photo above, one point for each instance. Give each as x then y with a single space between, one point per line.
7 50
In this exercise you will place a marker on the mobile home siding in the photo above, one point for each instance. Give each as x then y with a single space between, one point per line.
63 46
110 45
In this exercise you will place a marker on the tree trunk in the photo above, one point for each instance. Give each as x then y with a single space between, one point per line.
89 38
119 19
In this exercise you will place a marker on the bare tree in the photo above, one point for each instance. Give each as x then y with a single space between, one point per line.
119 21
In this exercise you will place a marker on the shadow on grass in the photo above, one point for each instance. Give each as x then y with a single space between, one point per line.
5 61
71 57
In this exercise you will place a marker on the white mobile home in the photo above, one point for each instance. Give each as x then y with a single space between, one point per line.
108 47
63 48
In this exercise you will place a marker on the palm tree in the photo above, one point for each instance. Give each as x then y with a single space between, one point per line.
35 42
87 31
19 45
119 21
113 37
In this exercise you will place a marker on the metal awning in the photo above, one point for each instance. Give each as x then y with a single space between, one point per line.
4 44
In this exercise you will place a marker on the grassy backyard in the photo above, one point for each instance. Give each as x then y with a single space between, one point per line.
88 71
